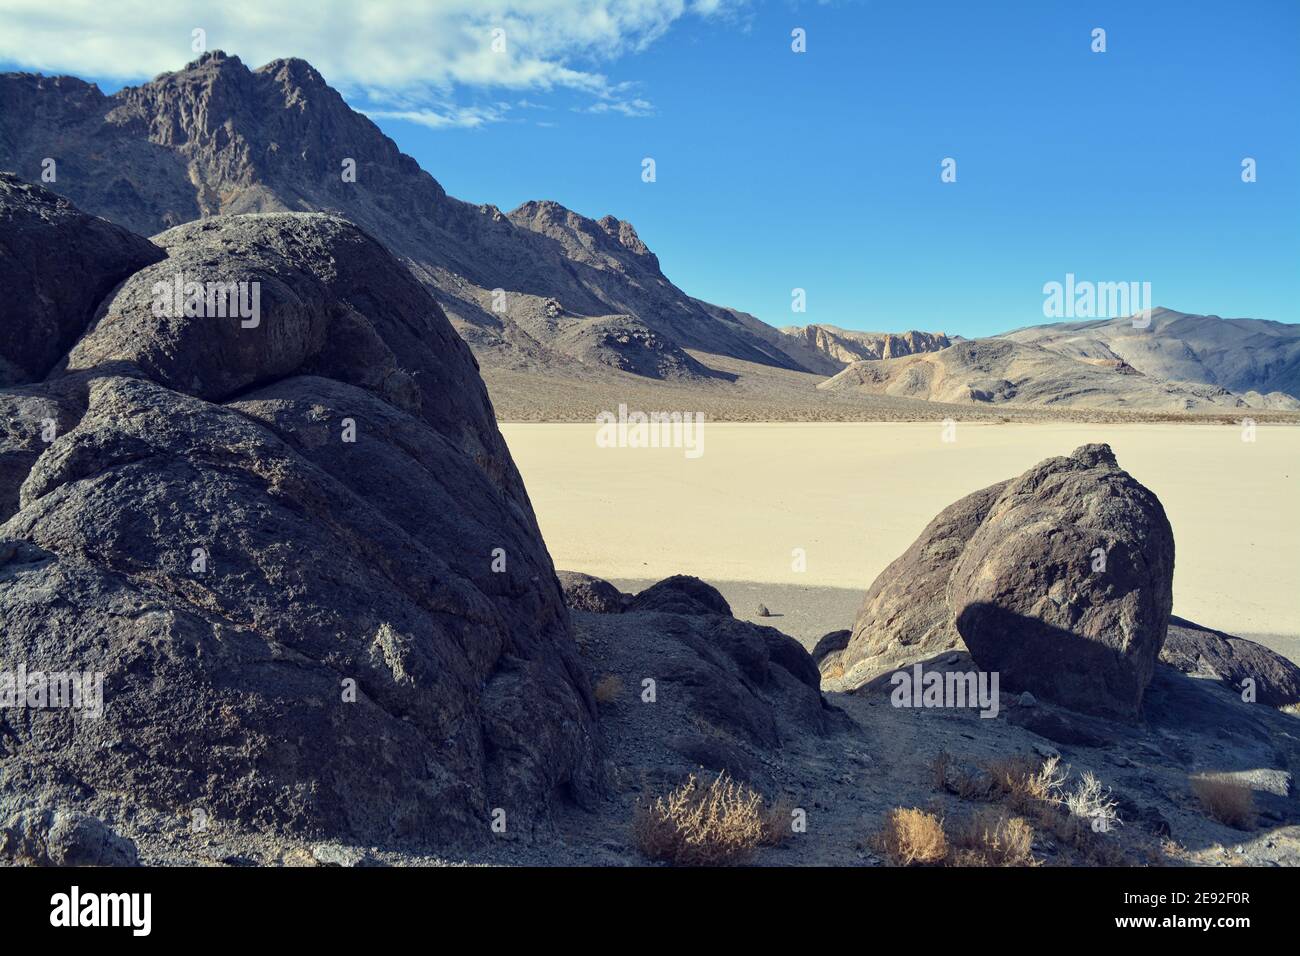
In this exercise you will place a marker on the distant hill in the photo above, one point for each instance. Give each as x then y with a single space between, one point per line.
999 371
845 346
1241 355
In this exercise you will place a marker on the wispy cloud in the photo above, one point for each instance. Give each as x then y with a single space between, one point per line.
460 117
428 54
628 107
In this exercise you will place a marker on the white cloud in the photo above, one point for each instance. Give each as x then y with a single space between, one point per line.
632 107
462 117
422 55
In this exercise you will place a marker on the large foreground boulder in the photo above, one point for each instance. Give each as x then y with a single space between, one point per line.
1066 587
56 264
322 608
1061 580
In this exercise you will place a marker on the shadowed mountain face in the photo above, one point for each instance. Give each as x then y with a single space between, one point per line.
218 138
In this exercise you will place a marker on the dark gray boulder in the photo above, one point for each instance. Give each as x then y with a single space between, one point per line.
1066 586
681 594
63 837
322 609
738 684
831 644
904 616
1203 652
31 418
582 592
56 265
76 839
752 683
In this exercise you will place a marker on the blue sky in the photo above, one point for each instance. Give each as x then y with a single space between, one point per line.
821 170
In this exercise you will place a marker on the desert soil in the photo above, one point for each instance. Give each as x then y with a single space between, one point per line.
853 496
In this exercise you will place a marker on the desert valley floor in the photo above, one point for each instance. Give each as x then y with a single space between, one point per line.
854 496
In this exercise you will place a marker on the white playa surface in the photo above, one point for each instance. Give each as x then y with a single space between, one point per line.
854 496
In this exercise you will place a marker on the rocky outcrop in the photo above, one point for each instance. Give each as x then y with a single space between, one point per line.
31 417
727 693
1060 580
624 343
844 346
681 594
582 592
831 644
1066 586
300 557
56 264
63 838
1203 652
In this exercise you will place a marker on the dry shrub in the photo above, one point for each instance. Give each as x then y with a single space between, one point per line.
608 689
1226 800
698 825
1035 792
992 837
913 837
1092 802
1027 784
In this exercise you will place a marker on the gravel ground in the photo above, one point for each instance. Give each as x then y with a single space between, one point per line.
848 781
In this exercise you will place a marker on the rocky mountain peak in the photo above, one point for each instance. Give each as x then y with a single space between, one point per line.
625 234
294 71
218 138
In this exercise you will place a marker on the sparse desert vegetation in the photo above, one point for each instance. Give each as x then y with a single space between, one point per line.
913 837
988 837
1229 801
1032 794
716 824
993 837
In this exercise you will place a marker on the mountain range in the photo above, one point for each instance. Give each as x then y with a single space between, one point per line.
545 295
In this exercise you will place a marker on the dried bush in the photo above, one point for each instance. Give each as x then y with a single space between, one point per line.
913 837
698 825
992 837
1226 800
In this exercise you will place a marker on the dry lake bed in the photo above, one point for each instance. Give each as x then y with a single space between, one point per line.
801 517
